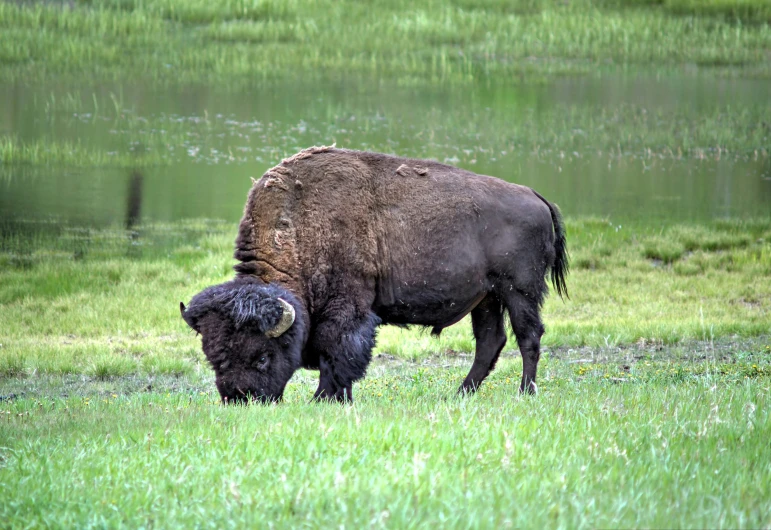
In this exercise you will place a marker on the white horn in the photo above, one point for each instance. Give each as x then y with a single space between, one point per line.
287 319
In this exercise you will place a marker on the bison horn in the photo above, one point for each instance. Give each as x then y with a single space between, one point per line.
287 319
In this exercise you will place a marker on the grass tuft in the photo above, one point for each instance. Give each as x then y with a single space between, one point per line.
160 364
12 365
113 366
663 249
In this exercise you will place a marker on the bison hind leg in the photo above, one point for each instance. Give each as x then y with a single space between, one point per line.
524 311
490 335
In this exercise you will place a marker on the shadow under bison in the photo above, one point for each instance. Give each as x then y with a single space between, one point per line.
335 242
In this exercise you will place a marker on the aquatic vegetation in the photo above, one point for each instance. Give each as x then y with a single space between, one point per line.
68 154
112 134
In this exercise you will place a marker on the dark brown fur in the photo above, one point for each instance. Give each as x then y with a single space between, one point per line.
356 239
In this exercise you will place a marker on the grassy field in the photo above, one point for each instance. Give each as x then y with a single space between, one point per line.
238 42
657 441
653 408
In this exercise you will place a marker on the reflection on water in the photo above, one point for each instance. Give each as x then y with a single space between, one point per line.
134 199
212 142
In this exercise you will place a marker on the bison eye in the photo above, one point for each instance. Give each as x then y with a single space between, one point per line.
261 362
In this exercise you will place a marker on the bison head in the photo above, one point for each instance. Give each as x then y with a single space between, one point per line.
252 333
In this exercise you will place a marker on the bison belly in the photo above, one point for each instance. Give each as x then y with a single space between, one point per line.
436 287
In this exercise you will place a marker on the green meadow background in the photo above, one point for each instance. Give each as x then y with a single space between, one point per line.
129 130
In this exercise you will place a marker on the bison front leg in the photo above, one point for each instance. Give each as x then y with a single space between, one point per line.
329 388
344 344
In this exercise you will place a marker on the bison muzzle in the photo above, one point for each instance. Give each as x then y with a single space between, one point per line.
335 242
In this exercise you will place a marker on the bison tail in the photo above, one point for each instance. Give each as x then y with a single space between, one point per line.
561 266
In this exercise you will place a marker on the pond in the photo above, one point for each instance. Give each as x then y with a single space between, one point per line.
629 148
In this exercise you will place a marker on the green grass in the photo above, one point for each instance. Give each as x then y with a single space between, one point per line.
247 42
659 443
105 302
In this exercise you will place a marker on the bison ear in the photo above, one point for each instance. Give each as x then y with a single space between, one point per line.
208 301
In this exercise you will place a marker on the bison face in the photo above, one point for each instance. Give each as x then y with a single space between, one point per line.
252 334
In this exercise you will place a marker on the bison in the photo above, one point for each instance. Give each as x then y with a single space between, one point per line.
334 242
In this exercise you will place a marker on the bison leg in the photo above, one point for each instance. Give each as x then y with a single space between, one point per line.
528 328
487 323
328 389
344 344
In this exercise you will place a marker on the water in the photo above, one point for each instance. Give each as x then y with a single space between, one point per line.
211 141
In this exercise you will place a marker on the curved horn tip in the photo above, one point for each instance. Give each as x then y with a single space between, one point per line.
287 319
182 308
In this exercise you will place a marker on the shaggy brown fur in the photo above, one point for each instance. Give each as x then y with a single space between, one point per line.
359 238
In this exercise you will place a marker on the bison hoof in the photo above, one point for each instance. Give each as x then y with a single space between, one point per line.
531 389
467 390
333 399
341 396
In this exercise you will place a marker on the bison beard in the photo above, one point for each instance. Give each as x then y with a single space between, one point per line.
335 242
